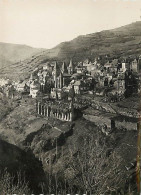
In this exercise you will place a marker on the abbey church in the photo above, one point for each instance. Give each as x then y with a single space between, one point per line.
54 107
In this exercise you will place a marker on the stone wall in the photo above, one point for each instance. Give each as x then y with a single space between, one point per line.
103 119
98 120
126 125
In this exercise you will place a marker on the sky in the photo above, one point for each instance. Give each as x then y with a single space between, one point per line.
46 23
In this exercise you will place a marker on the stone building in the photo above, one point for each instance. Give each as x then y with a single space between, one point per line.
58 110
34 88
61 80
124 122
58 84
57 94
121 85
77 87
21 86
9 91
134 65
100 118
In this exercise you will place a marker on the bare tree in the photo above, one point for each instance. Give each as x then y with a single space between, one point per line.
96 172
13 185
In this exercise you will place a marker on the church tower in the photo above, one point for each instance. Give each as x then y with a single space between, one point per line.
55 75
61 80
63 68
70 68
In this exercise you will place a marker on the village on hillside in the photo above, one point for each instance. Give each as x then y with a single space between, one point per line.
105 94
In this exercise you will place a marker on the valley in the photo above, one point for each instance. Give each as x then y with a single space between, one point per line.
70 115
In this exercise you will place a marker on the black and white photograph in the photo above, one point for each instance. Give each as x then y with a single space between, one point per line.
70 97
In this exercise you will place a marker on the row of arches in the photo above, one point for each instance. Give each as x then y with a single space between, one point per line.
48 111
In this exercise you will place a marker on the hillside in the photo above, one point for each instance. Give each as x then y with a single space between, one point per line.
11 53
16 161
57 140
123 41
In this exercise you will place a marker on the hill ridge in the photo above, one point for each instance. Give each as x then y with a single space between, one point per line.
119 42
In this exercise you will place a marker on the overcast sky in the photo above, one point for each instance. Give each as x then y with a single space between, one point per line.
45 23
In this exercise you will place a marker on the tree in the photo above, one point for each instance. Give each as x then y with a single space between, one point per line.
96 171
12 185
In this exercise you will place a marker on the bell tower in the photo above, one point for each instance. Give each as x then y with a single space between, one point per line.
63 68
55 75
61 80
70 68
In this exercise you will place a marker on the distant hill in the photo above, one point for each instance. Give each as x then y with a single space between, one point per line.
11 53
123 41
